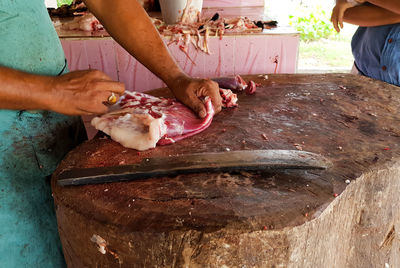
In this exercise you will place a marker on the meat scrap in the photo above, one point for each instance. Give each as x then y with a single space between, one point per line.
199 29
190 14
251 88
229 99
87 22
233 83
236 83
100 242
143 121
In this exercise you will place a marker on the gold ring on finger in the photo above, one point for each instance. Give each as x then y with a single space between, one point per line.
112 99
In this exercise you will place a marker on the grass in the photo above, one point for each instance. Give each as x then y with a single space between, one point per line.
327 54
63 2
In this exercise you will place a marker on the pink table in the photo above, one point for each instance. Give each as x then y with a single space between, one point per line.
268 52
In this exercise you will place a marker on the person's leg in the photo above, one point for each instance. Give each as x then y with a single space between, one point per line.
354 69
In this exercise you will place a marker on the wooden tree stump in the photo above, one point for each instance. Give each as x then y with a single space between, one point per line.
285 219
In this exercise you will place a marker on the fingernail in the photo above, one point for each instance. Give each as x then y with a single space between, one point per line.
202 114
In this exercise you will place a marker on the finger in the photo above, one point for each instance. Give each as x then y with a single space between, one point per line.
341 15
101 109
198 106
84 112
216 102
98 108
334 18
94 111
112 86
74 111
212 90
97 74
335 22
107 98
96 103
336 25
193 101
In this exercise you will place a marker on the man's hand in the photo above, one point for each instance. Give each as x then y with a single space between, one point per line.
83 92
190 91
338 13
75 93
150 50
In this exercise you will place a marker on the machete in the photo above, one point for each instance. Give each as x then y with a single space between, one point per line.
194 163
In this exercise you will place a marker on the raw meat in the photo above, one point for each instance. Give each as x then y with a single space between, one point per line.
236 83
143 121
233 83
229 99
198 29
251 88
190 14
87 22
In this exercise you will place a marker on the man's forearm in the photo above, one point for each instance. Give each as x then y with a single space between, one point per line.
22 91
74 93
370 15
392 5
126 20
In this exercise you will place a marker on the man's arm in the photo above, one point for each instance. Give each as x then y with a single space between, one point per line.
392 5
371 15
75 93
128 23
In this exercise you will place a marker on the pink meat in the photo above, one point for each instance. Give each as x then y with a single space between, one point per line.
229 99
142 121
233 83
236 83
179 120
87 22
251 89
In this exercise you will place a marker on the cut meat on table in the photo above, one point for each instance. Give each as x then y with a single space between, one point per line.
87 22
198 29
143 121
251 88
236 83
229 99
233 83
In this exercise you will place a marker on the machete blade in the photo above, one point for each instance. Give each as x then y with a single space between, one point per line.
194 163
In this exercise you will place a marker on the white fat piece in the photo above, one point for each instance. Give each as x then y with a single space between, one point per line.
138 131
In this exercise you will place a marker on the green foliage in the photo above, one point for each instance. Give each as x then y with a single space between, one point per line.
63 2
312 23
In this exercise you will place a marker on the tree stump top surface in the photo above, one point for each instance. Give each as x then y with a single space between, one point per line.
352 120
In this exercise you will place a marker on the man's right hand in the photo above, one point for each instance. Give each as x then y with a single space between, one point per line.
83 92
